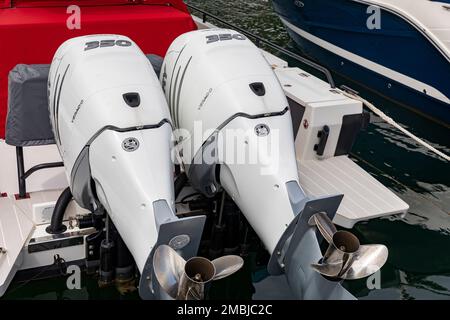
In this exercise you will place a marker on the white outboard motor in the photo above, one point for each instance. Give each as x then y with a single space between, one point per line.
235 131
113 131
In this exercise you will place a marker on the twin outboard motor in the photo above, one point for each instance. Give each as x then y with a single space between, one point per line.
234 131
113 130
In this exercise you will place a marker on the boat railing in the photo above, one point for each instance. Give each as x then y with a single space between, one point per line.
262 41
22 175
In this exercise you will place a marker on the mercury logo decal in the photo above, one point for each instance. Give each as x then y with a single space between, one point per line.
130 144
76 111
202 103
262 130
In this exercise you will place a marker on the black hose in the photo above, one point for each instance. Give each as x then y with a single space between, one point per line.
183 200
180 182
56 225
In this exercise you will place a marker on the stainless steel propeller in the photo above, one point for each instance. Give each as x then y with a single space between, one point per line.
185 280
345 258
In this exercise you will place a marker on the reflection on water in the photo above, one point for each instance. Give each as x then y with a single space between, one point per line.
419 261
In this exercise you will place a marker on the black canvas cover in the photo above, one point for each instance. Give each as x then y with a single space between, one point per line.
28 121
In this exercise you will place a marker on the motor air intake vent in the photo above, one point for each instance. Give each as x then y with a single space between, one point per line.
132 99
258 88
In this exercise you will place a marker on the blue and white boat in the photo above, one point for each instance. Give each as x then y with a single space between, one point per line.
399 48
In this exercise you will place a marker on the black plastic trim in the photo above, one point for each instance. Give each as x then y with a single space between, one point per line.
297 113
57 244
132 99
323 139
258 88
351 126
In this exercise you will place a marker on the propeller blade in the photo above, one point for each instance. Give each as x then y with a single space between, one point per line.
192 294
324 224
227 265
331 270
368 260
168 266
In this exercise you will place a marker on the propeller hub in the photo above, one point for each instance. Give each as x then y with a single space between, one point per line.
345 242
199 270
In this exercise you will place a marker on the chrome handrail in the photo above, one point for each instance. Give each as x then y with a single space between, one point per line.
259 40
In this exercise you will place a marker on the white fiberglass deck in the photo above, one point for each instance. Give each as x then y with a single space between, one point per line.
15 228
364 197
